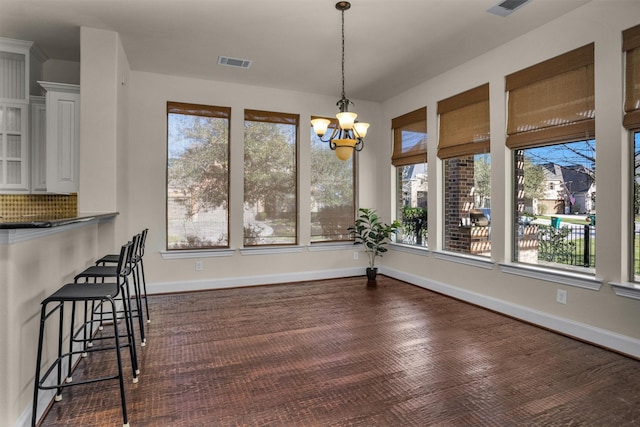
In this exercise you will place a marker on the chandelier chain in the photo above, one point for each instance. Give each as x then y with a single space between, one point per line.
343 93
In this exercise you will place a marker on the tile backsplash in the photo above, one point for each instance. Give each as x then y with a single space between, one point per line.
19 207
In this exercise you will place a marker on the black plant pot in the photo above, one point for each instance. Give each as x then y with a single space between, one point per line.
371 274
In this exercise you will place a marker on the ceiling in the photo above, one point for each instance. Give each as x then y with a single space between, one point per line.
391 45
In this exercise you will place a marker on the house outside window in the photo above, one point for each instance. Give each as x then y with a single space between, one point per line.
333 192
412 184
197 176
463 146
551 132
270 178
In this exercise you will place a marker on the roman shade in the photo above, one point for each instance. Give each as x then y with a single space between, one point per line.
464 123
631 45
552 101
271 117
198 110
410 138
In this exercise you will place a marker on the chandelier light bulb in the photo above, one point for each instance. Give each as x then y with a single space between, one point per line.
320 126
361 129
346 119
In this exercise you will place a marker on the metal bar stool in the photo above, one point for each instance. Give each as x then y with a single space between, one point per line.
141 281
102 272
100 293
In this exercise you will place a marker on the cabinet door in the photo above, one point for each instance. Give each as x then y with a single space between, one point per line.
14 152
63 133
38 146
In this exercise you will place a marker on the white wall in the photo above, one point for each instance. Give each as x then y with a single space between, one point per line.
57 70
597 315
149 94
98 120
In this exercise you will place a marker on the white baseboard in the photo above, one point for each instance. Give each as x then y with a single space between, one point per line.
235 282
598 336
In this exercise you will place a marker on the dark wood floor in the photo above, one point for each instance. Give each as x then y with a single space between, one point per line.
334 353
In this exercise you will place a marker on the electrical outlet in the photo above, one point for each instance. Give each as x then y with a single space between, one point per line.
198 265
355 255
561 296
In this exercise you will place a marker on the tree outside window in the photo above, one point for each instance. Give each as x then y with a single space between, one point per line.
332 193
270 177
197 176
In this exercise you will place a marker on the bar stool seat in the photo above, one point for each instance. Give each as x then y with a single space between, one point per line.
103 293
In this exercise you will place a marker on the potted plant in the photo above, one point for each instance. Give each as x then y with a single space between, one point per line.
374 235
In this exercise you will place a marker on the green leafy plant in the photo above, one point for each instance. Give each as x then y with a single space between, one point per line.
372 233
414 224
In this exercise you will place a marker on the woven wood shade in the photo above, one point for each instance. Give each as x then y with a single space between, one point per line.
407 150
552 101
271 117
464 123
631 45
198 110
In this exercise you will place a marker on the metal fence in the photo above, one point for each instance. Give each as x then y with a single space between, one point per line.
567 244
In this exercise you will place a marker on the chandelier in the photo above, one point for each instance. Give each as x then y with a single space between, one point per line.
349 134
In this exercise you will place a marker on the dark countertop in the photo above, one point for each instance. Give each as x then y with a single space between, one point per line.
47 222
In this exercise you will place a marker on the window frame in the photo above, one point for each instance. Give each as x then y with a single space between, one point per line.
631 122
251 115
464 132
401 158
546 124
354 165
199 110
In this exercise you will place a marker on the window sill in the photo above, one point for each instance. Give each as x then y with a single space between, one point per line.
566 278
412 249
200 253
268 250
332 246
626 289
471 260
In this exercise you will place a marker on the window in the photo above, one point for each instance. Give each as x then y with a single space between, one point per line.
270 177
551 131
197 176
631 47
464 146
636 206
332 192
410 159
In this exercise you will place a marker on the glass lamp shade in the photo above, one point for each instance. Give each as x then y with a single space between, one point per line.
320 126
361 129
344 148
346 119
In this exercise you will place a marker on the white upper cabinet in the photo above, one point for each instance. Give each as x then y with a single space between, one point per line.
39 135
62 137
14 115
14 64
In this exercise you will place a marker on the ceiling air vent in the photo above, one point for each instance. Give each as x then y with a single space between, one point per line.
506 7
234 62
